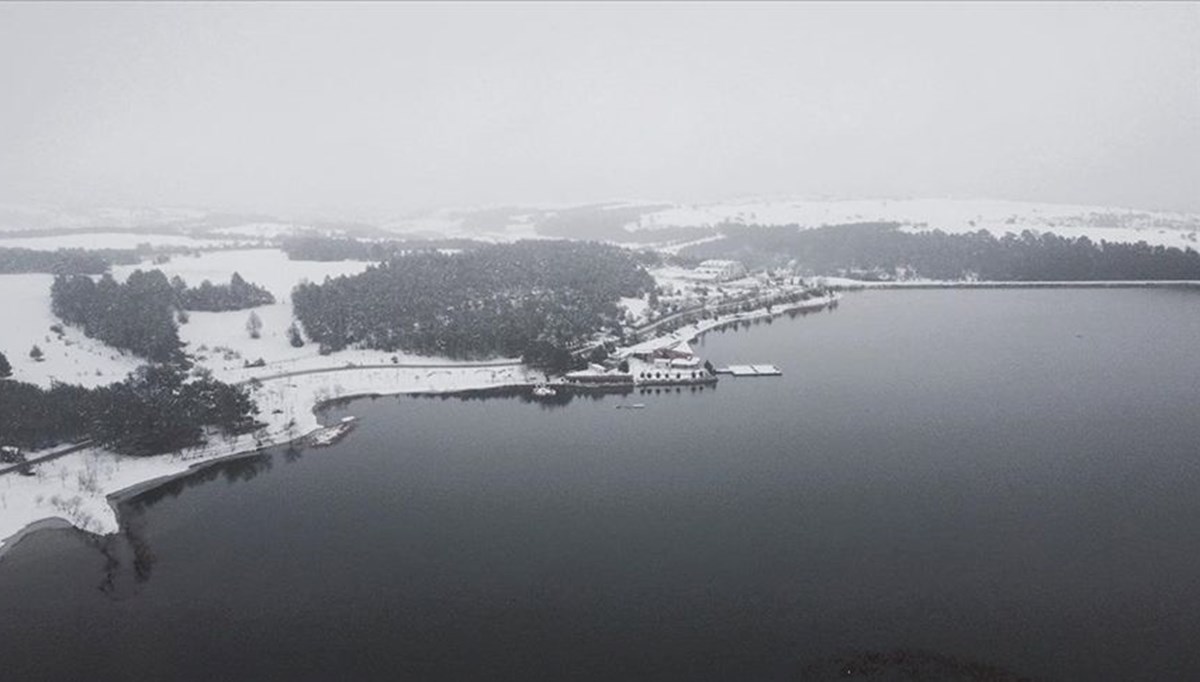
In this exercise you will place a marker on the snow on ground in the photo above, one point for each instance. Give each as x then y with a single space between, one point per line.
220 340
264 230
637 307
694 331
73 358
1131 235
113 240
77 486
267 267
674 249
948 215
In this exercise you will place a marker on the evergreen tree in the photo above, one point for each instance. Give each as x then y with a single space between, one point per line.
36 353
254 325
5 368
294 336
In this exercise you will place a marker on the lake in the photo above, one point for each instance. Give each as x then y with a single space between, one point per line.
1001 482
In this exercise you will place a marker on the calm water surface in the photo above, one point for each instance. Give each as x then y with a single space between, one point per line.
1003 477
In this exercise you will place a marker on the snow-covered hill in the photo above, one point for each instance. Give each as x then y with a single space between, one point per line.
634 222
948 215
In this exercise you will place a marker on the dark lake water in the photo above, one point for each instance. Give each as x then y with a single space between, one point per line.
1001 478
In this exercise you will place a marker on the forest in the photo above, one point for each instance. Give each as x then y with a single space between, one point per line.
532 299
155 410
63 261
139 315
883 250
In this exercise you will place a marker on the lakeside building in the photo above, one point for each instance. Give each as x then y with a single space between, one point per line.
720 270
647 364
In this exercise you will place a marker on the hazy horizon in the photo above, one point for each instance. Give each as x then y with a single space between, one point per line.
304 108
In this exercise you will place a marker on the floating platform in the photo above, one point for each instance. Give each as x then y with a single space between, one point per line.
752 371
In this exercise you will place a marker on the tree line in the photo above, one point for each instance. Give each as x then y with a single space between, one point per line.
237 295
139 315
63 261
883 249
315 248
532 299
157 409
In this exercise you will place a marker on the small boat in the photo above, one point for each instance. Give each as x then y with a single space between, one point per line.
543 391
634 406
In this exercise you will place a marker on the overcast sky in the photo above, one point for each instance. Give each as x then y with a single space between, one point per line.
396 107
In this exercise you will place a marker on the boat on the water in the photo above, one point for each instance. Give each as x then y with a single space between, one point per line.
543 391
634 406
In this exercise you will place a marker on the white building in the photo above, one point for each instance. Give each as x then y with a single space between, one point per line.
720 270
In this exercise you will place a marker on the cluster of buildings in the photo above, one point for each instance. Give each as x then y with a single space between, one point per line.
653 363
662 361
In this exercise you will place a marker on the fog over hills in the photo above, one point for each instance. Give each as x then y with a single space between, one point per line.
366 112
631 222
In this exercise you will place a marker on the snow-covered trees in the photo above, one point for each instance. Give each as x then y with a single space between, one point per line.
155 410
63 261
137 315
294 336
237 295
530 299
883 251
140 315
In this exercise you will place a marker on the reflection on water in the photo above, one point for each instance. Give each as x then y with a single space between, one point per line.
942 485
235 470
129 559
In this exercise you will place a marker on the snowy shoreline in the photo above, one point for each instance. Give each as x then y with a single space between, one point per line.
84 489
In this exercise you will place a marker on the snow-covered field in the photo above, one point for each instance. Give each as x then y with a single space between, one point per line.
76 359
263 230
948 215
113 240
73 358
220 341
